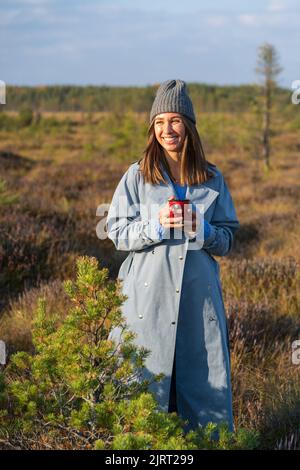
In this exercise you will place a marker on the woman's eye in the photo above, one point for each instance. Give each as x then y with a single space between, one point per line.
176 122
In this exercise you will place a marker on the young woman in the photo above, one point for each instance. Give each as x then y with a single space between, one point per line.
170 276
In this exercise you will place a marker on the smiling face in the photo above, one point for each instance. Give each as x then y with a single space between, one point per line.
170 131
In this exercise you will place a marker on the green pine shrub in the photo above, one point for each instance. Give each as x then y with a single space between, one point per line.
79 389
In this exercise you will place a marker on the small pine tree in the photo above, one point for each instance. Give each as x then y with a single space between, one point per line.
82 390
268 67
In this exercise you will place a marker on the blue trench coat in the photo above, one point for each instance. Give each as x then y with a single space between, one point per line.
175 303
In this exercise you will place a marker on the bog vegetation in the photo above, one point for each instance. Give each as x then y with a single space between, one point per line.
56 168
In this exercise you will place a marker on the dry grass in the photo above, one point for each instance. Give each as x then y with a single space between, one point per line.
64 170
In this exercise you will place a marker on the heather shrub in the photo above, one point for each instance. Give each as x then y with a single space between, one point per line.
262 305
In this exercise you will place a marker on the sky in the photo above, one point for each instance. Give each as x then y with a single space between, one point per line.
138 43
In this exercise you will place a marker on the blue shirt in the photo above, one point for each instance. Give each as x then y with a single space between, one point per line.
180 190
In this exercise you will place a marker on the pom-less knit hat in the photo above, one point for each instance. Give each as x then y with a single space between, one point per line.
172 97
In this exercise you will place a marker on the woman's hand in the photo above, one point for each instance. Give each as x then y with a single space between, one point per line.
189 224
170 222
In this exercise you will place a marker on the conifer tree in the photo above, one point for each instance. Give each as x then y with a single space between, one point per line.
82 390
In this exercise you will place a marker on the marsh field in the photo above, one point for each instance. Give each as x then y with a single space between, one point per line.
55 169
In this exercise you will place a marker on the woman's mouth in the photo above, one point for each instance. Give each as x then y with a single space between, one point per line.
170 140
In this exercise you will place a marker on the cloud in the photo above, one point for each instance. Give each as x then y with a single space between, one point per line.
248 20
276 5
137 37
36 12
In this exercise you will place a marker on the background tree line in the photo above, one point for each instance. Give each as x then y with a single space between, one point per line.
206 98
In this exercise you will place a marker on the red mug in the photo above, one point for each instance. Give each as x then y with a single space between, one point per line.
177 204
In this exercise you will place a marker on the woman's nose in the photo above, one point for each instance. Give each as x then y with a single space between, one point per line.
168 128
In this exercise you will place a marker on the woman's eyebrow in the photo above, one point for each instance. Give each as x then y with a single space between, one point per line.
162 119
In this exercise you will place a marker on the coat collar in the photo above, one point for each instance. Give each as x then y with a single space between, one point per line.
198 194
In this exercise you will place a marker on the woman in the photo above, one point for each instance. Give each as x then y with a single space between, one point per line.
170 276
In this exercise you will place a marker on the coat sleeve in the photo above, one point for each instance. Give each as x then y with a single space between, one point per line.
223 224
125 226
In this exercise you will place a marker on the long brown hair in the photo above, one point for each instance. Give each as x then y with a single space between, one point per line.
194 166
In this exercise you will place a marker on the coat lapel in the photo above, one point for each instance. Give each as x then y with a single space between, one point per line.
198 194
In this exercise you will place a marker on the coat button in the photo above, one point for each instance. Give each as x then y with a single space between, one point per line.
140 316
180 257
177 290
173 322
146 284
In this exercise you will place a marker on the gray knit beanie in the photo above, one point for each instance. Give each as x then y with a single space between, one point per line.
172 97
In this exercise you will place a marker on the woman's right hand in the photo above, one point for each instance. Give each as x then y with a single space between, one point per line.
170 222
